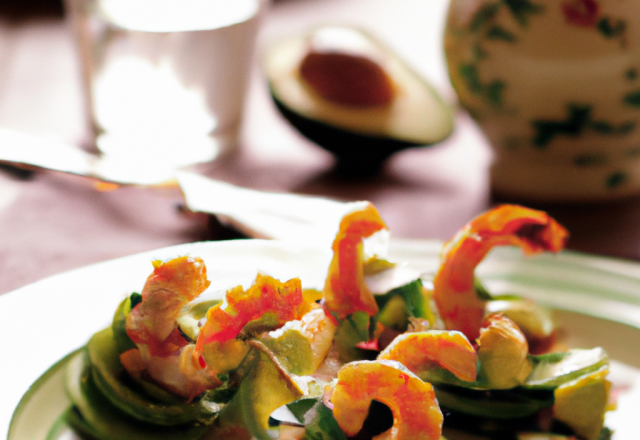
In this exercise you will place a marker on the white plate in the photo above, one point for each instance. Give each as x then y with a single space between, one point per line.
598 302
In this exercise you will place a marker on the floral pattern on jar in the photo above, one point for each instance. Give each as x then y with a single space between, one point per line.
554 85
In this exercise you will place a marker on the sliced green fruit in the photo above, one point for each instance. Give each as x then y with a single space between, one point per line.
394 313
265 387
77 423
96 416
60 426
500 404
190 315
122 391
293 351
402 302
361 133
581 403
122 339
502 353
552 370
534 320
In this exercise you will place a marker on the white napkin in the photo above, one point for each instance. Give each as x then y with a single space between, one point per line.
259 214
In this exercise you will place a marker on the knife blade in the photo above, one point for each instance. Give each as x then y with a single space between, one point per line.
255 213
34 151
261 214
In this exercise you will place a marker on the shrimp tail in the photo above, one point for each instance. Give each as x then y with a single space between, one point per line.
416 414
345 290
272 302
170 286
454 293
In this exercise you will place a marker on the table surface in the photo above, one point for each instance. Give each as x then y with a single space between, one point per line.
51 222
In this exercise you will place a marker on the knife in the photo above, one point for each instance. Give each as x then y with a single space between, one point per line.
24 149
261 214
257 214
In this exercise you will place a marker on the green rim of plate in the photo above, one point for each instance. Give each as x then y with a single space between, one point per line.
57 369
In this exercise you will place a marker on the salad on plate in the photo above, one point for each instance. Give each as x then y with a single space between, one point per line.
379 351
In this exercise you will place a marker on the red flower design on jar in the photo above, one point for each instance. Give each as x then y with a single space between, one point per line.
581 12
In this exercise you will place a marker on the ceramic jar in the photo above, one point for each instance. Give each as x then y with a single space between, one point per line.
555 87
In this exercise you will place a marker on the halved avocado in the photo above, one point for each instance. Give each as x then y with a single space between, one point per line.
351 95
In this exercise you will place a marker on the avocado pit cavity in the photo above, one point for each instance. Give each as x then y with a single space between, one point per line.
347 79
343 67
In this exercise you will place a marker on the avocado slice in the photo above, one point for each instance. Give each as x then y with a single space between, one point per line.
553 370
94 415
109 376
190 316
581 404
404 302
119 323
265 386
354 97
495 404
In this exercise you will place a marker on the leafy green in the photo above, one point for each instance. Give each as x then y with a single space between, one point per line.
323 426
302 409
394 313
554 369
503 404
351 331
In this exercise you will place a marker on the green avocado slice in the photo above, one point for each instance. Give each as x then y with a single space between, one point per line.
112 380
265 386
118 325
555 369
496 405
93 414
401 303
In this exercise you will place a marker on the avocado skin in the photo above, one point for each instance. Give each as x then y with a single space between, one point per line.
357 155
110 378
94 416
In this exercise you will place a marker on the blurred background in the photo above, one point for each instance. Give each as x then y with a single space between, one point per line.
51 222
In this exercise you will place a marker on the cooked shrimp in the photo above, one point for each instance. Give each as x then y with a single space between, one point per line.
268 300
450 350
345 291
171 285
416 415
458 303
168 357
161 350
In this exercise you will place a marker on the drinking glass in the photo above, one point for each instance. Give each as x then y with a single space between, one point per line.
166 80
